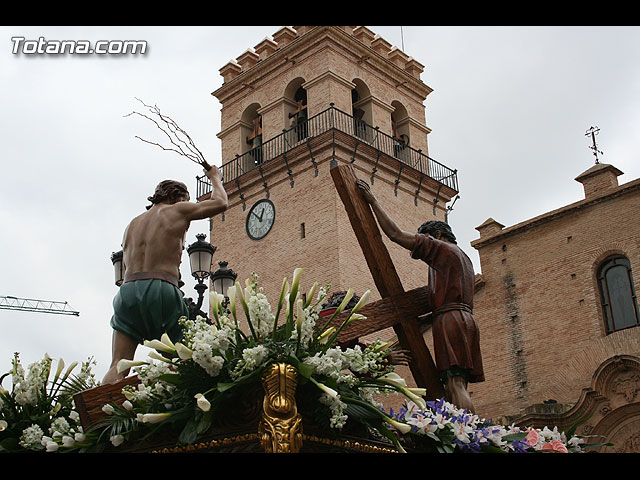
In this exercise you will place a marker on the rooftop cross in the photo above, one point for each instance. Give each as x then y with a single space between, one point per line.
593 131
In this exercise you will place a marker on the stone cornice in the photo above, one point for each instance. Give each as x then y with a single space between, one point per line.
554 214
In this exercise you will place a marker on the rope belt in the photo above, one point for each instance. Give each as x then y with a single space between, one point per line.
167 277
449 307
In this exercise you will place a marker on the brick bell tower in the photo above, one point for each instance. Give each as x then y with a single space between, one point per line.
291 106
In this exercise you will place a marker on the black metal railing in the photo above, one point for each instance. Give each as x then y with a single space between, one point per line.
332 118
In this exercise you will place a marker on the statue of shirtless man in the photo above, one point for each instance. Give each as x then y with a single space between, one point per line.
149 302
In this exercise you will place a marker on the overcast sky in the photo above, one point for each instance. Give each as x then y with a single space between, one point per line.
509 110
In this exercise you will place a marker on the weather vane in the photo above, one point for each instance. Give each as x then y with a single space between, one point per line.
593 131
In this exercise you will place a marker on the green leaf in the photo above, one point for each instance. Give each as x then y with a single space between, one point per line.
189 433
305 370
173 378
204 423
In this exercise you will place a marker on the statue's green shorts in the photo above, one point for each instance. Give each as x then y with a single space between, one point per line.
146 309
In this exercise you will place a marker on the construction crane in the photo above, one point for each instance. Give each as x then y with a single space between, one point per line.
32 305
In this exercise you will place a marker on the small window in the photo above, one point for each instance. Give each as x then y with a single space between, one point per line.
619 303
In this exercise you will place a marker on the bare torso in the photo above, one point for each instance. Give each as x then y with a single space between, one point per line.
154 240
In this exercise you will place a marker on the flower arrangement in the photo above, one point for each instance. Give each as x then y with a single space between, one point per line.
185 382
38 413
443 428
184 386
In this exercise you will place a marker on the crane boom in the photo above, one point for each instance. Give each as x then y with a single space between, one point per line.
33 305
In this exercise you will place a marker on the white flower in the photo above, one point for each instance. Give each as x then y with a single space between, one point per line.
324 337
127 405
3 425
116 440
202 402
159 345
336 406
31 437
108 409
51 446
401 427
124 364
154 417
362 302
80 437
75 416
68 441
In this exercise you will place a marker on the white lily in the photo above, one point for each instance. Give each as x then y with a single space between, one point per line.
283 292
401 427
158 345
52 446
394 379
167 341
329 391
184 352
68 441
301 315
347 298
70 369
231 293
295 283
108 409
116 440
202 402
362 302
3 425
354 317
323 338
124 364
156 356
311 294
60 368
155 417
127 405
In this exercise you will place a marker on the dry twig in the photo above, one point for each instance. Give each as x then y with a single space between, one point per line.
181 141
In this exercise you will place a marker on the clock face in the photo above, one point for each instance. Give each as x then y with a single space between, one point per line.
260 219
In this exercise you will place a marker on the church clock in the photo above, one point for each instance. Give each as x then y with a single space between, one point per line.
260 219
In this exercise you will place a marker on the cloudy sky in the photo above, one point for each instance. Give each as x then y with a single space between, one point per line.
509 110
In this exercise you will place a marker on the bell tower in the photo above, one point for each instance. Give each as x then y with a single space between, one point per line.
293 106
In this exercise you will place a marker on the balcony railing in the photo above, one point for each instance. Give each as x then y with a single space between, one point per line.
332 118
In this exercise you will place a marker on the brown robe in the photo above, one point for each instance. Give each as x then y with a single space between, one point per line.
456 338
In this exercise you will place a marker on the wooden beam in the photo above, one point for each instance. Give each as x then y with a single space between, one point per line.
384 314
386 279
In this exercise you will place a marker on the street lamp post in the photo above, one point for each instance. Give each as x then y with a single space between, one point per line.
200 258
222 279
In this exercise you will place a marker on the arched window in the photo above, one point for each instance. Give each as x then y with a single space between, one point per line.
252 131
296 111
619 304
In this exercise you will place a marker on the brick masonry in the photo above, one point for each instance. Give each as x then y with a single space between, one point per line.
538 305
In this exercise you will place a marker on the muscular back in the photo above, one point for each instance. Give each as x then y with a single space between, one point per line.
153 241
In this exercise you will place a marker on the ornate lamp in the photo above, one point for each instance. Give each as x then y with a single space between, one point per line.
200 257
118 266
222 279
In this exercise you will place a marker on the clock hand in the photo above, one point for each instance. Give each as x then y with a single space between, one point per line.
256 215
261 214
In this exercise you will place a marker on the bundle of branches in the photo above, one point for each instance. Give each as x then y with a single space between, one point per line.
180 140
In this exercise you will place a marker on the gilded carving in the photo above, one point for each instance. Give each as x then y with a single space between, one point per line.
280 428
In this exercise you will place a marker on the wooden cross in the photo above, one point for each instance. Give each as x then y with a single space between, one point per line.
397 308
